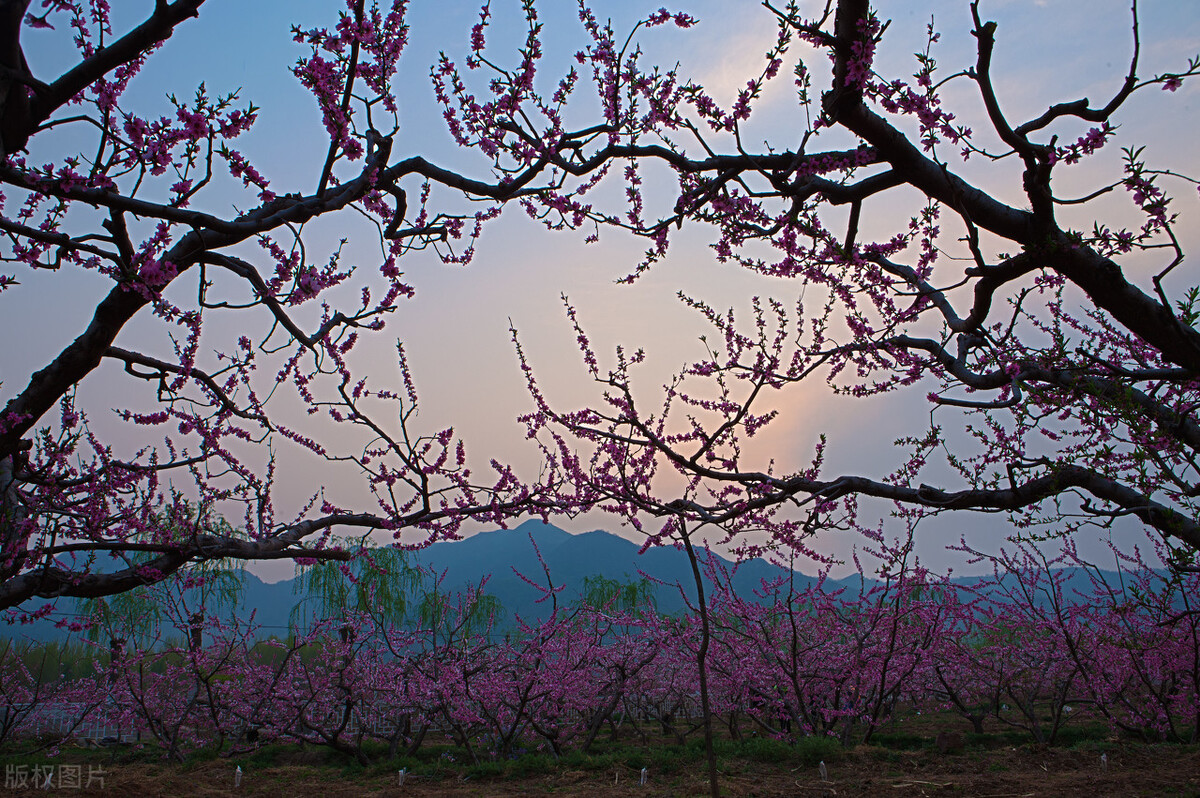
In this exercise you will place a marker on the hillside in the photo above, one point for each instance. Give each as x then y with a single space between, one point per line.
501 553
570 557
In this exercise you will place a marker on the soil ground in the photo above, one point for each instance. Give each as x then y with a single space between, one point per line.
1132 770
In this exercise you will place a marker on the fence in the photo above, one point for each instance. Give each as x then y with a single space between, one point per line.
81 721
92 724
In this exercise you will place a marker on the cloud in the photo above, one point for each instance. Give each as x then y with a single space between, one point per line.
726 50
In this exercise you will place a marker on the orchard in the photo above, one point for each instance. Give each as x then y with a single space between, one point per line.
919 232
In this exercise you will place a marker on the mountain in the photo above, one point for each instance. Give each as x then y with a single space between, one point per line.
570 559
462 564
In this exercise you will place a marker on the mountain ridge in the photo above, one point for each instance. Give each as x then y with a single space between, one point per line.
500 554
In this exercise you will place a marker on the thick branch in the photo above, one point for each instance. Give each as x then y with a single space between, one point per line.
115 310
1140 313
53 582
15 125
934 179
1064 479
1110 392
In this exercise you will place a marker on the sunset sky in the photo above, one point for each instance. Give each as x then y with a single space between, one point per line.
456 328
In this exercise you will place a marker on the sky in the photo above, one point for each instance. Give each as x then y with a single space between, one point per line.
456 329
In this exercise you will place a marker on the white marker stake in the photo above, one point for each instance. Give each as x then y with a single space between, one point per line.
1104 763
237 777
645 776
401 773
823 771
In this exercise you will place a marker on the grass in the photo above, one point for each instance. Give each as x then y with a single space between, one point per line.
900 751
446 761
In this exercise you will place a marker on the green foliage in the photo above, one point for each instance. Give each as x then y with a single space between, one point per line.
471 617
574 759
632 596
213 586
1189 313
66 659
135 616
900 740
383 584
532 765
435 763
265 757
486 770
812 750
765 749
673 758
380 582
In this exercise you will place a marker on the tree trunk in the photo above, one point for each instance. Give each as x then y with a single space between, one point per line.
702 664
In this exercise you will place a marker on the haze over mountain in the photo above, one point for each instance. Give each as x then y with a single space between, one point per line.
500 554
570 558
